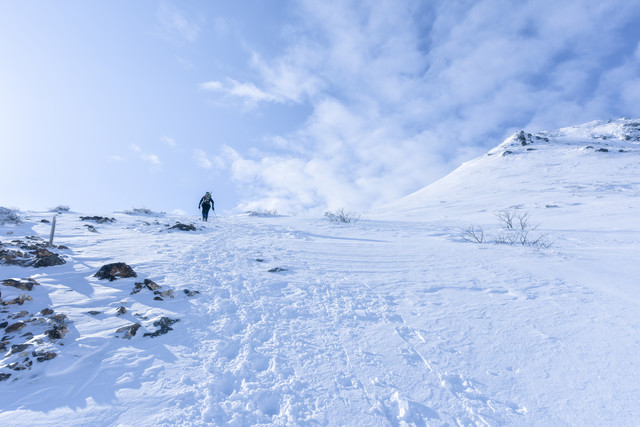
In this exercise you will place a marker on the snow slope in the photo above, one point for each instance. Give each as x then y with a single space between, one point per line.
393 320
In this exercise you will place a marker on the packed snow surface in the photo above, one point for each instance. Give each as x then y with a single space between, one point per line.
396 319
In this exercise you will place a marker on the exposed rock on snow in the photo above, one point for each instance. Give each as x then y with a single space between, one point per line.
114 271
129 330
190 293
98 219
22 284
164 325
151 285
36 254
183 227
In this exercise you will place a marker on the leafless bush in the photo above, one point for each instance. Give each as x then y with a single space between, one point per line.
506 238
473 234
515 219
516 228
264 212
139 211
60 209
341 215
9 216
505 218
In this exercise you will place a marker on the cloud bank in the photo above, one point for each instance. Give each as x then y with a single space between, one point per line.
402 92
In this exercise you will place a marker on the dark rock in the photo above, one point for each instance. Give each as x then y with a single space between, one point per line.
46 312
164 325
259 260
14 257
4 324
49 261
98 219
4 377
43 252
158 299
91 228
129 330
115 271
46 221
59 318
190 293
276 269
183 227
520 137
22 284
15 327
121 310
602 150
19 300
151 285
41 356
168 293
18 348
506 153
21 313
63 247
56 332
137 287
93 312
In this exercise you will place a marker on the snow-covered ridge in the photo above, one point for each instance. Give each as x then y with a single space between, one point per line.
594 164
610 135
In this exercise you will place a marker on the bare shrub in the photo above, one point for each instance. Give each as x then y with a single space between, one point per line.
9 216
60 209
473 234
342 216
505 218
516 228
138 211
262 212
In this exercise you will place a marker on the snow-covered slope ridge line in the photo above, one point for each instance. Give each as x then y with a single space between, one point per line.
554 175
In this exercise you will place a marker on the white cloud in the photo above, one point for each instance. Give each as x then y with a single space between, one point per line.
174 24
152 159
169 141
202 160
248 93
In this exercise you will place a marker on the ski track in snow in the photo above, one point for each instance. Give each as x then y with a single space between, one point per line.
376 323
277 331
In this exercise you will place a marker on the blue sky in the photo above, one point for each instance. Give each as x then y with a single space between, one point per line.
295 106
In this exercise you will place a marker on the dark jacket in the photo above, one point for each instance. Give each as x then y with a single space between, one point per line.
205 202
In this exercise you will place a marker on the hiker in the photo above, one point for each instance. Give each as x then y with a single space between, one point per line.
206 203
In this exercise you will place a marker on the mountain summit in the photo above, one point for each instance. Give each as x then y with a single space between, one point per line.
587 171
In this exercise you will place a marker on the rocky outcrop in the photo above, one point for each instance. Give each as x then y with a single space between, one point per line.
98 219
118 270
22 284
164 325
183 227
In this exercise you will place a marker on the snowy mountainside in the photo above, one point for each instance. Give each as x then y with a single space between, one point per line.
587 174
397 320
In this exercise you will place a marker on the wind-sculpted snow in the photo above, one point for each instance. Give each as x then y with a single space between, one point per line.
275 320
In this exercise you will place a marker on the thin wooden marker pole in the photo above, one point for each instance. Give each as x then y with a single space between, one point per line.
53 230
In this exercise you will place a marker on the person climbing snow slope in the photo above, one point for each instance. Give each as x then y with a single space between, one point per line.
206 203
